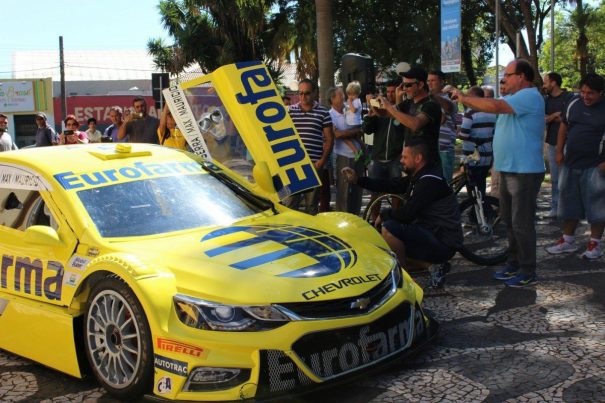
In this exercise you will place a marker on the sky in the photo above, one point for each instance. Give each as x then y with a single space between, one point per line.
87 25
84 25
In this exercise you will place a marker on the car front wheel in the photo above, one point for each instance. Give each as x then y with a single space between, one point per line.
118 340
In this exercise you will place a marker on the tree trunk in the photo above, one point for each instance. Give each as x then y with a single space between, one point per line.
325 50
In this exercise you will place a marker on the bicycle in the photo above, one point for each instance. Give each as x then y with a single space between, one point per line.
485 239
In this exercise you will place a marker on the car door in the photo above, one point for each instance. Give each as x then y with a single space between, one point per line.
35 240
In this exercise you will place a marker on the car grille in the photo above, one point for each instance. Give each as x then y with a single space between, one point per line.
335 353
343 307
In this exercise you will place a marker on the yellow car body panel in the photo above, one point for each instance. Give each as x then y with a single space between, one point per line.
71 216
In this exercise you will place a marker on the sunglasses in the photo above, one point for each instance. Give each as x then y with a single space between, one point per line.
304 93
408 85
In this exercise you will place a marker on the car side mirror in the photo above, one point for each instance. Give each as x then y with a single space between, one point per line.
42 235
262 176
12 202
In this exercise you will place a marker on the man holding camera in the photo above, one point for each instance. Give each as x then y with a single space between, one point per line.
420 115
138 126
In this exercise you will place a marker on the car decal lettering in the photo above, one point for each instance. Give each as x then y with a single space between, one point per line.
285 144
70 180
28 278
170 365
340 284
17 177
319 253
178 347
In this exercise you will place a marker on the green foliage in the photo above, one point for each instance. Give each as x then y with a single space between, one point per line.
566 35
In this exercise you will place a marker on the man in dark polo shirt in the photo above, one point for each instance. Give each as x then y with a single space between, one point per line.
140 127
420 115
314 125
555 102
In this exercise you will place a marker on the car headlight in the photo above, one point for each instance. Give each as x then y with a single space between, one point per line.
208 315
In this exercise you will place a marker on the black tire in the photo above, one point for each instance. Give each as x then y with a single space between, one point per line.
379 203
122 365
487 246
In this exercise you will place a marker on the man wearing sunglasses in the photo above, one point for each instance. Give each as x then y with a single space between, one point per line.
314 125
518 156
420 115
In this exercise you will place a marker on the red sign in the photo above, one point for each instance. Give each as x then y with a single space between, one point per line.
92 106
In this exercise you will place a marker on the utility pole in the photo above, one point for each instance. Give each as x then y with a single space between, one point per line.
552 35
62 72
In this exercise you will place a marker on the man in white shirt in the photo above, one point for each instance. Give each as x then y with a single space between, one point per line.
6 141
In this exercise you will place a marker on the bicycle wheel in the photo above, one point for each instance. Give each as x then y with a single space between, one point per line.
381 202
487 245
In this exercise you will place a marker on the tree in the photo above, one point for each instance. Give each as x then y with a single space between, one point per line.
325 52
567 62
212 33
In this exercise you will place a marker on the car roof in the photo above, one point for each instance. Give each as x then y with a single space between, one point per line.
89 157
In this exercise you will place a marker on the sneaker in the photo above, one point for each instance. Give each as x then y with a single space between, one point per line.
507 273
593 251
550 214
521 280
437 275
562 247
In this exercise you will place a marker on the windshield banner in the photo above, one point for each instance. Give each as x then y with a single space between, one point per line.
236 116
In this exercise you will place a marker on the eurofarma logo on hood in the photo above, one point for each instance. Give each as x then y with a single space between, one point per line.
286 250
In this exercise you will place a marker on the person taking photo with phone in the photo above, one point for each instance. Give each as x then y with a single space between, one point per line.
71 134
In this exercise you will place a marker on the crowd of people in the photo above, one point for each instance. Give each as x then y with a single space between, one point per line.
415 127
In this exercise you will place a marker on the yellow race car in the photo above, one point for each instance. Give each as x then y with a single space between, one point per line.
168 273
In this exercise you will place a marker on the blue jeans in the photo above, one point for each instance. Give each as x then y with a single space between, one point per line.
554 177
447 164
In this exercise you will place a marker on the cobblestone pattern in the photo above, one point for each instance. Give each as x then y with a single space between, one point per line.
496 344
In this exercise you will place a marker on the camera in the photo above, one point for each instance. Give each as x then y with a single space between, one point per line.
68 132
375 103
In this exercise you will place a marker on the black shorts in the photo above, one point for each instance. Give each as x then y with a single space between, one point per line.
420 243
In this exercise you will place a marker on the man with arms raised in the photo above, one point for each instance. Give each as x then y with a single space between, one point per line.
140 127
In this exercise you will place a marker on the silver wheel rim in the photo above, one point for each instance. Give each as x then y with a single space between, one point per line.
114 339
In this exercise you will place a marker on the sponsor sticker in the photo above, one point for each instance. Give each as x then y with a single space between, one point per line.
164 385
72 279
178 347
173 366
78 262
93 252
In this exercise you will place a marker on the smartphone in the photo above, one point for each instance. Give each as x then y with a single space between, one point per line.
68 132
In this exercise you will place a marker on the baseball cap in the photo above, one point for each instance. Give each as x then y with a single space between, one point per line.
417 73
41 115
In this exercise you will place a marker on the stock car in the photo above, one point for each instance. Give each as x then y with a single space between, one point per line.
173 276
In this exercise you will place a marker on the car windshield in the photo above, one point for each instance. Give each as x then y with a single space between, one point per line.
167 204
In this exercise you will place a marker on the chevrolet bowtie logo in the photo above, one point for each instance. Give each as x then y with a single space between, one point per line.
360 303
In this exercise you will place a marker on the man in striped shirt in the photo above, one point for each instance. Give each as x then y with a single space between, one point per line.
314 125
477 131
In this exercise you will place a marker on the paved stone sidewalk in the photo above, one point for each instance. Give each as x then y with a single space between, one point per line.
496 344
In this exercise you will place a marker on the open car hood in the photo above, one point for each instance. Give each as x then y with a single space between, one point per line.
235 115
